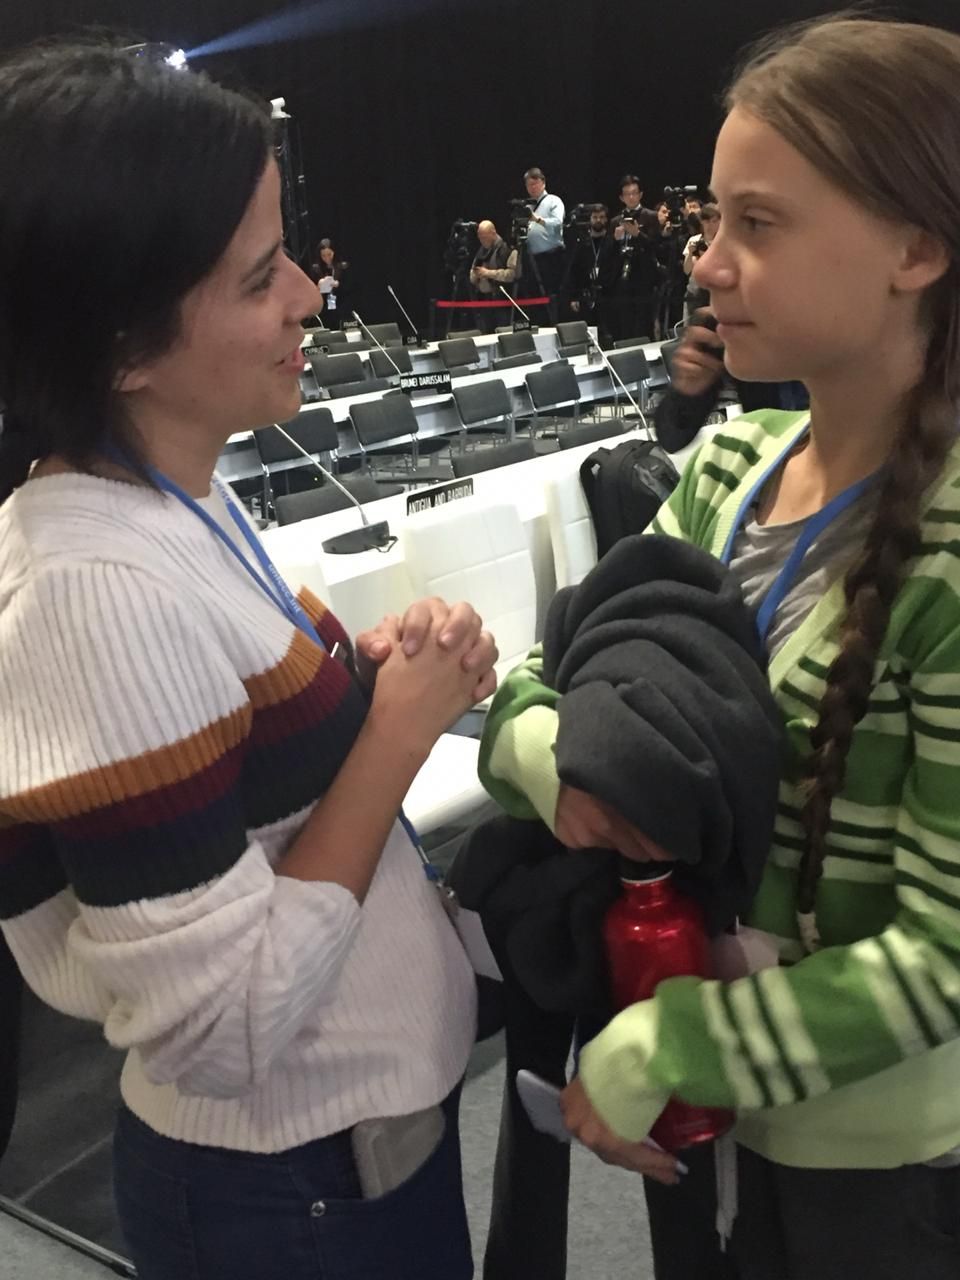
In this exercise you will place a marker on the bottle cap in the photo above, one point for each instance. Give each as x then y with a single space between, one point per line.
630 869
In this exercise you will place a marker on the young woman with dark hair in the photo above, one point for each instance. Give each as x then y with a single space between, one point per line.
837 262
201 839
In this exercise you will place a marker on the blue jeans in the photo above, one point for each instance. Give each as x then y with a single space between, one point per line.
204 1213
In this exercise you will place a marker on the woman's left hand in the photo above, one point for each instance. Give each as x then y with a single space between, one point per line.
453 626
584 1122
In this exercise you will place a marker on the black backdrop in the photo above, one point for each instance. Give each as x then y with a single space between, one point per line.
411 121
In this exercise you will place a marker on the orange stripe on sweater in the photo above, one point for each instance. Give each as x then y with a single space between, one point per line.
161 767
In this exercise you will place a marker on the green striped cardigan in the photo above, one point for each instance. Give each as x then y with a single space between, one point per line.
850 1057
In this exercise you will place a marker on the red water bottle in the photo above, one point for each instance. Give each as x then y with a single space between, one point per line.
652 932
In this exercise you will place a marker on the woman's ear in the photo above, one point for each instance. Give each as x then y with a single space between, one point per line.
923 260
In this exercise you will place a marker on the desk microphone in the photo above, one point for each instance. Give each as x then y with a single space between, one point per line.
613 374
406 316
376 340
513 302
370 537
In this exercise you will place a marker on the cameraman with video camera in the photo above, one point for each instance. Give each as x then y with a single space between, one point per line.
635 231
538 235
495 264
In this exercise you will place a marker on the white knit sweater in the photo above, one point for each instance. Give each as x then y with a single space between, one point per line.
164 733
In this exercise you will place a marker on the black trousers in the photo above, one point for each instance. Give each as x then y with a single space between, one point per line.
843 1224
545 270
630 315
531 1181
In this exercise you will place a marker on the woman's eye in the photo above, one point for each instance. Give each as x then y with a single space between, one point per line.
264 284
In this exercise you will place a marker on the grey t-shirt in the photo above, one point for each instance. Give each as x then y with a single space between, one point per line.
760 551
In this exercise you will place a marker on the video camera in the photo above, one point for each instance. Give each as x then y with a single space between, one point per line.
462 244
520 211
578 220
674 198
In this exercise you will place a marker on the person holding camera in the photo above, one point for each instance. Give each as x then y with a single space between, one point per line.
495 264
543 247
696 247
698 376
635 231
336 284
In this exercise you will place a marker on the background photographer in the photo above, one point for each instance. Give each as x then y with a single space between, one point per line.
538 232
697 245
336 285
697 378
677 225
495 264
594 267
636 231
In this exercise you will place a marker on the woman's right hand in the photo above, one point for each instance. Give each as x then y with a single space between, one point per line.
420 696
582 821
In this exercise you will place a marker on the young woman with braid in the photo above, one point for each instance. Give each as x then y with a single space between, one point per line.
837 262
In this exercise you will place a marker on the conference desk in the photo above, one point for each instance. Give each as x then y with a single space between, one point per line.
361 588
426 359
436 413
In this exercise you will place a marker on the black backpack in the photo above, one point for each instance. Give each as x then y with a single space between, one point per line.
625 488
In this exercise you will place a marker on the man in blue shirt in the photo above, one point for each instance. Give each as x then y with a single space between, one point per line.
544 252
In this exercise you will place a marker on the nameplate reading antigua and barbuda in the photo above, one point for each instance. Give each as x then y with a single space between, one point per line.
438 382
427 499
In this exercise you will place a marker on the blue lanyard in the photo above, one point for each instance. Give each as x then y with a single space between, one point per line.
812 529
279 593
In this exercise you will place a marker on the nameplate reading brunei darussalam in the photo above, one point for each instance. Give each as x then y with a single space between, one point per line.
439 382
439 496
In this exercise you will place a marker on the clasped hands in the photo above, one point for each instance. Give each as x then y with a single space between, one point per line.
450 627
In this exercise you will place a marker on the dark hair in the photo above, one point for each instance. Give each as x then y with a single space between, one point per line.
630 180
122 181
599 208
535 173
873 106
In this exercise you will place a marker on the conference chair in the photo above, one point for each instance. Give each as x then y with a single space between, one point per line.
391 362
482 405
522 361
503 455
388 428
324 498
334 371
591 433
573 338
459 355
465 333
386 334
327 338
515 344
365 387
314 431
554 389
472 550
633 371
621 343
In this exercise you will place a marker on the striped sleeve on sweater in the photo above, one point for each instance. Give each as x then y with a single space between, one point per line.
886 985
136 771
